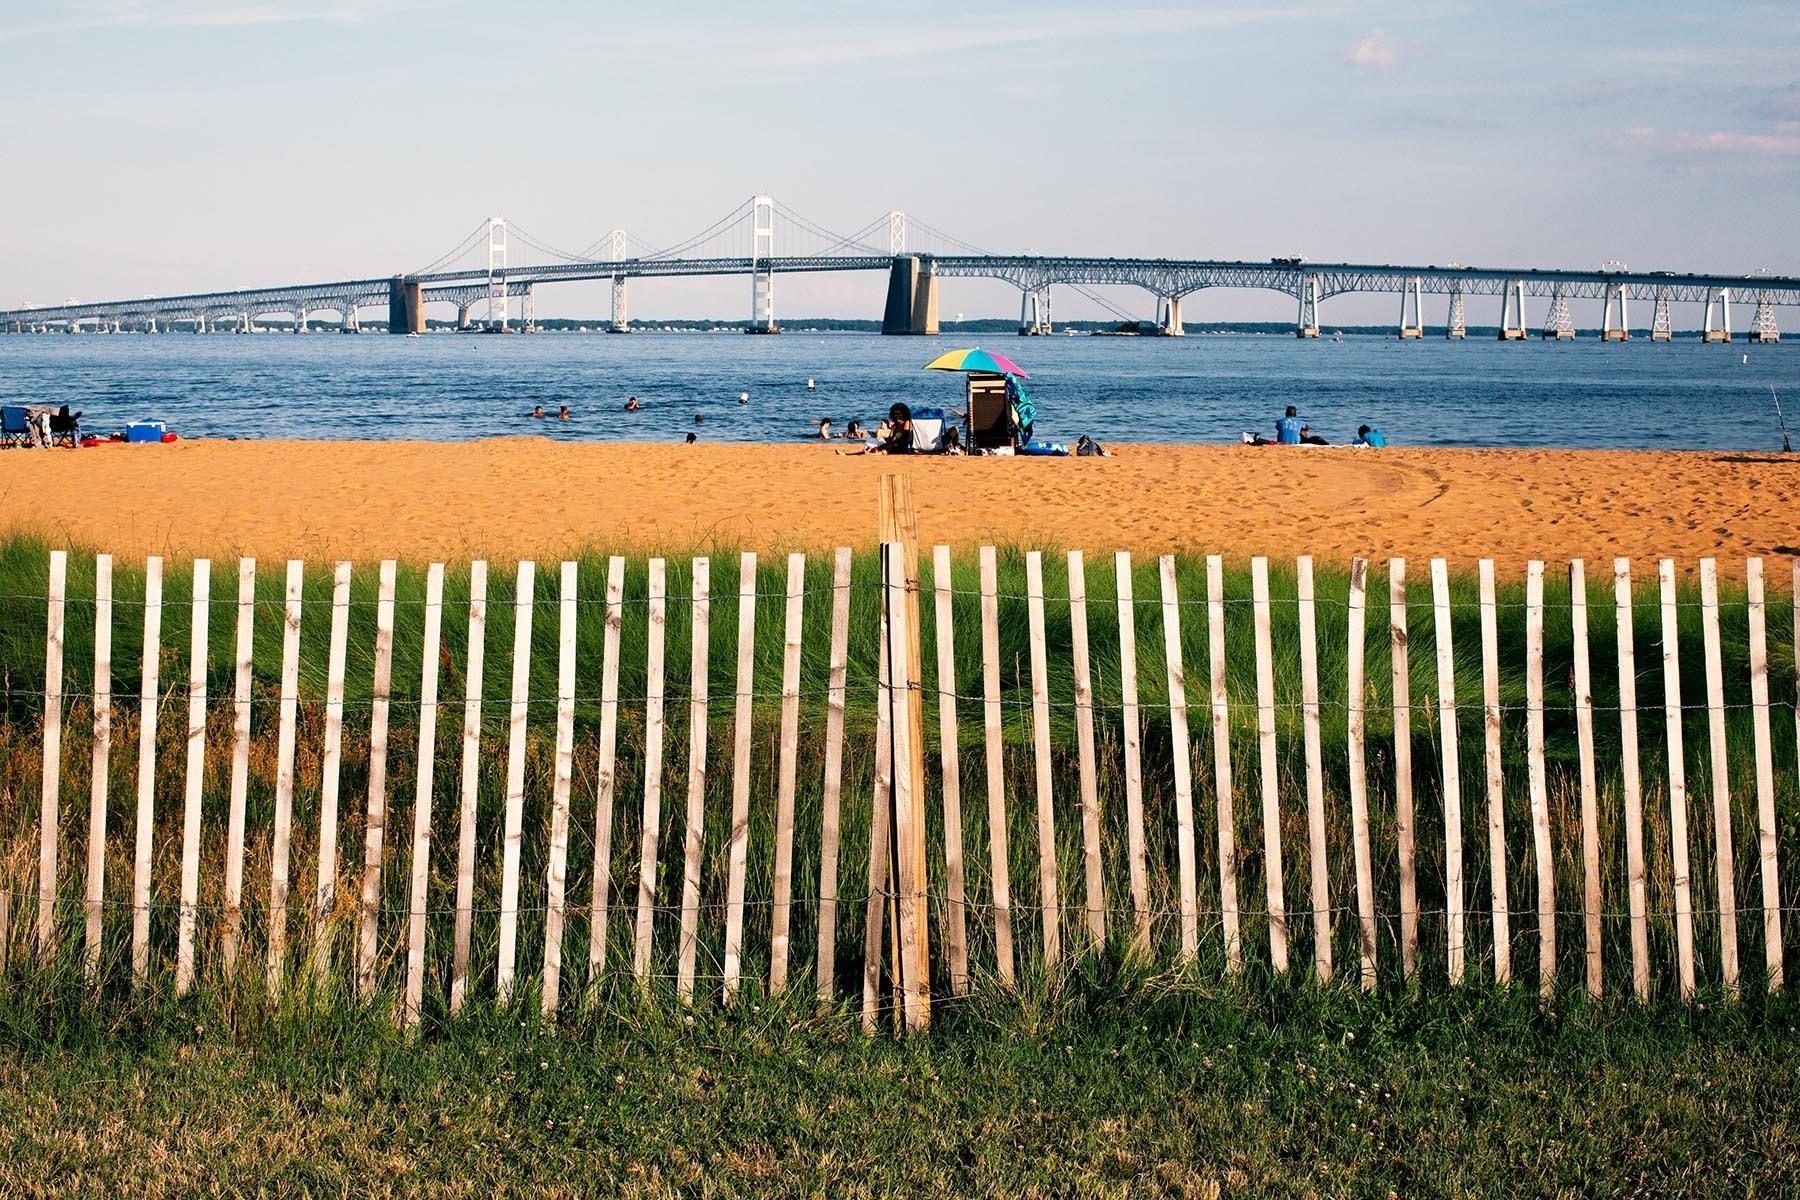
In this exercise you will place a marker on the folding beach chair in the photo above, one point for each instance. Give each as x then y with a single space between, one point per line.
15 426
65 427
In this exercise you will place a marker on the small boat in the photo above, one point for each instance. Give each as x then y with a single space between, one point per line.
1337 335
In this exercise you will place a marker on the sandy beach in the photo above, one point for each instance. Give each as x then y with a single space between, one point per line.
521 497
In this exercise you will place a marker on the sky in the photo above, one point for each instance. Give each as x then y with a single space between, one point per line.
191 145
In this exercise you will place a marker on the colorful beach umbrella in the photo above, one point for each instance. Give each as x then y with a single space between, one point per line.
976 359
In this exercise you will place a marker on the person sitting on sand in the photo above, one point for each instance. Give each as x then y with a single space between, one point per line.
1309 438
1372 438
1287 428
692 438
538 412
898 437
563 413
631 404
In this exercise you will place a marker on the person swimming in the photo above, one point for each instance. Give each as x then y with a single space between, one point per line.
825 428
537 412
854 429
563 413
631 404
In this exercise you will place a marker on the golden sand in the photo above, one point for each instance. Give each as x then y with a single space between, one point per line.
530 497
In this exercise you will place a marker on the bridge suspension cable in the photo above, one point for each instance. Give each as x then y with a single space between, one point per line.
477 234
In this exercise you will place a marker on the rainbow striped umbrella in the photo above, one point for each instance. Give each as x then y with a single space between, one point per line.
976 359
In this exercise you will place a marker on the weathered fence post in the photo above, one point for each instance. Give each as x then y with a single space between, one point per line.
740 775
782 893
1590 791
96 856
471 776
699 699
605 787
325 900
653 765
422 788
1678 827
1131 732
523 600
909 908
1271 784
1356 718
1496 776
1537 782
1403 791
556 872
149 696
956 928
1451 766
1221 730
49 818
1181 762
1719 767
1633 786
240 756
1765 772
825 969
284 777
1084 743
196 778
375 822
1315 771
999 872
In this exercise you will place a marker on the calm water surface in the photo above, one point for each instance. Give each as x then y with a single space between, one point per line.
1207 388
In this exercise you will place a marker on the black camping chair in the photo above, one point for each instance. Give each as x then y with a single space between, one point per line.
65 427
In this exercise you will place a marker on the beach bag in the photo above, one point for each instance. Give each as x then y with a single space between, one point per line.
1024 412
1087 447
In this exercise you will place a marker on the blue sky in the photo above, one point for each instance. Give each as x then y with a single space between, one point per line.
193 144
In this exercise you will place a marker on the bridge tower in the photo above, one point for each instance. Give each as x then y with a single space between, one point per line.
1721 297
1762 325
1512 311
1609 331
1410 297
762 266
1559 325
1456 324
1660 328
530 313
896 233
1309 308
615 253
496 273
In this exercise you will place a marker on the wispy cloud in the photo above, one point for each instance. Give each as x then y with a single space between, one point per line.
203 14
1374 50
1780 143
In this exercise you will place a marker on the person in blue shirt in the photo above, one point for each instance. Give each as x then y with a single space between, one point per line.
1370 437
1287 429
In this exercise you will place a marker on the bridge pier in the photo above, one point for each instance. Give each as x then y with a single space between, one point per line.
530 312
1661 330
1456 324
1168 317
1762 325
1034 312
462 316
349 324
621 323
1559 325
1722 333
1309 308
300 319
912 299
1512 311
1610 332
1410 295
406 306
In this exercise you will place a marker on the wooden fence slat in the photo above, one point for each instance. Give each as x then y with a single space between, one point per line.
1590 791
1181 749
325 899
1268 765
1452 769
830 804
375 820
1632 782
556 874
1222 787
196 777
909 906
881 813
1678 798
525 591
1719 767
606 785
422 787
470 781
1765 771
49 816
1356 721
1084 741
782 891
1051 909
996 766
1315 771
653 766
102 753
1132 742
699 700
739 860
149 698
1537 780
1406 845
956 931
240 756
1498 892
284 777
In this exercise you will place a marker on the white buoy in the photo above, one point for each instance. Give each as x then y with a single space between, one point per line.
743 397
1746 358
809 385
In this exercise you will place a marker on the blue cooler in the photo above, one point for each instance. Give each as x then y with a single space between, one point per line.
144 431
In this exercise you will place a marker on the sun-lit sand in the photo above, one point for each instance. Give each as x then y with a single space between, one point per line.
523 497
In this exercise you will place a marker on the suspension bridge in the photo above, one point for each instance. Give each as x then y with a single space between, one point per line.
499 266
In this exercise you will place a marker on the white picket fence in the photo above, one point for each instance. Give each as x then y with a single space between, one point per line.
897 872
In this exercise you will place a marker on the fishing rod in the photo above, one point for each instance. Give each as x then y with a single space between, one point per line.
1785 448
